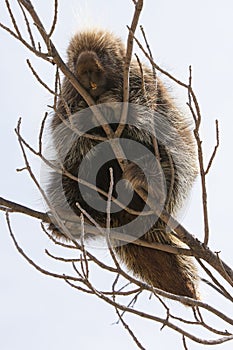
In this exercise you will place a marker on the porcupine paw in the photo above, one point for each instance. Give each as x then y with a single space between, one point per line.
55 231
149 179
135 177
110 107
107 97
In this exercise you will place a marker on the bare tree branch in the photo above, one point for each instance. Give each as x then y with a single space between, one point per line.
54 18
39 79
129 50
215 149
28 26
7 205
150 53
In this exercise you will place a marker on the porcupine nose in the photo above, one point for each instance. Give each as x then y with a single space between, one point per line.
93 85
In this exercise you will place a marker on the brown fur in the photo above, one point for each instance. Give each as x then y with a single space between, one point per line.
96 58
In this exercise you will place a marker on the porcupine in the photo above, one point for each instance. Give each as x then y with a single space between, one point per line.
96 58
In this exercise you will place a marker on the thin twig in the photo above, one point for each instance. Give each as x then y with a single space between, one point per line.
28 26
127 61
224 268
108 221
197 120
13 18
211 329
172 178
184 343
38 78
41 133
215 148
216 282
81 289
86 271
151 56
142 74
131 333
54 18
66 260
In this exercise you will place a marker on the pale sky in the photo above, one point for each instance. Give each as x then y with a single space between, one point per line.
43 313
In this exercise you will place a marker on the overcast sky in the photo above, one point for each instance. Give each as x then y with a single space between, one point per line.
38 312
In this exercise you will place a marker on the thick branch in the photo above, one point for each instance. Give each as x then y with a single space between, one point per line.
72 222
7 205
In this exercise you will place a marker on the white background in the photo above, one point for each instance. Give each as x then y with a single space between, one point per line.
37 312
